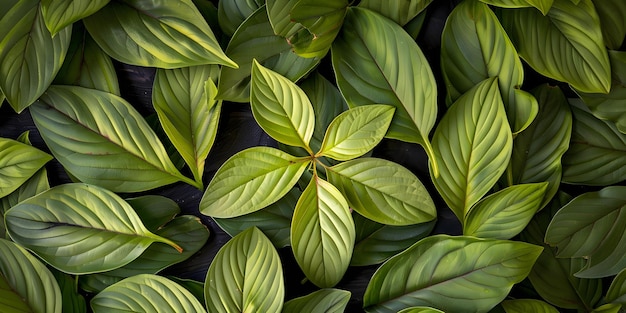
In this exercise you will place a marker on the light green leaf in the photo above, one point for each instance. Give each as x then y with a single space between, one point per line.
26 285
383 191
245 276
184 99
101 139
36 184
231 14
400 11
472 141
251 180
26 72
73 301
453 274
322 233
368 72
527 305
255 39
541 5
617 290
505 213
59 14
195 287
146 293
18 163
568 29
611 14
590 226
80 229
608 308
321 301
475 47
161 34
597 151
420 309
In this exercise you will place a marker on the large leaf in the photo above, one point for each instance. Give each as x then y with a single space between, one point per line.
527 305
453 274
597 152
541 5
36 184
400 11
569 29
383 191
59 14
617 289
25 71
591 226
101 139
475 47
321 301
368 71
26 285
420 309
161 34
505 213
611 14
251 180
18 163
472 145
231 14
322 233
184 99
245 276
146 293
80 229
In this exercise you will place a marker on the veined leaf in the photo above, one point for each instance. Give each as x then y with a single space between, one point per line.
245 276
420 309
251 180
80 229
101 139
322 301
608 308
613 25
322 233
400 11
453 274
59 14
383 191
25 71
541 5
161 34
472 141
36 184
568 29
617 290
153 210
146 293
26 285
18 163
73 301
591 226
527 305
231 14
195 287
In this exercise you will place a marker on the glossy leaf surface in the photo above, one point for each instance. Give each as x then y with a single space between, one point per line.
541 5
527 305
36 184
611 15
420 309
320 301
231 14
617 289
59 14
400 11
18 163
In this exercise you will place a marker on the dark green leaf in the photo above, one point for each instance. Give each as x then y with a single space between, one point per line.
154 211
617 290
611 14
541 5
321 301
400 11
231 14
527 305
73 301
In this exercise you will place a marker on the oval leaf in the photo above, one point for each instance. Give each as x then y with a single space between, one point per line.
231 14
608 308
59 14
527 305
613 24
245 276
80 229
400 11
321 301
617 290
542 5
18 163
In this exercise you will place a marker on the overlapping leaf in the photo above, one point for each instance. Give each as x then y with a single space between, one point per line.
400 11
617 289
613 24
161 34
59 14
322 301
36 184
73 301
608 308
541 5
231 14
245 276
527 305
18 163
80 229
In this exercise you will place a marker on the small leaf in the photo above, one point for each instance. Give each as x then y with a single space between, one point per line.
59 14
617 290
231 14
146 293
400 11
383 191
527 305
80 229
322 301
611 15
245 276
541 5
251 180
153 210
18 163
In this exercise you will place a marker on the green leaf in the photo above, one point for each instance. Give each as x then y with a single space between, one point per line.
568 29
608 308
420 309
453 274
541 5
184 99
231 14
368 72
73 301
18 163
195 287
591 226
383 191
245 276
617 290
255 39
527 305
80 229
146 293
475 47
400 11
161 34
322 233
376 242
26 72
597 151
36 184
59 14
26 285
322 301
251 180
473 141
101 139
611 15
153 210
505 213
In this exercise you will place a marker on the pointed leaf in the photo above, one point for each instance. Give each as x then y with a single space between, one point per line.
617 290
400 11
453 274
100 139
245 276
25 71
18 163
527 305
383 191
321 301
231 14
154 211
541 5
473 141
59 14
36 184
322 233
80 229
613 24
161 34
251 180
608 308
